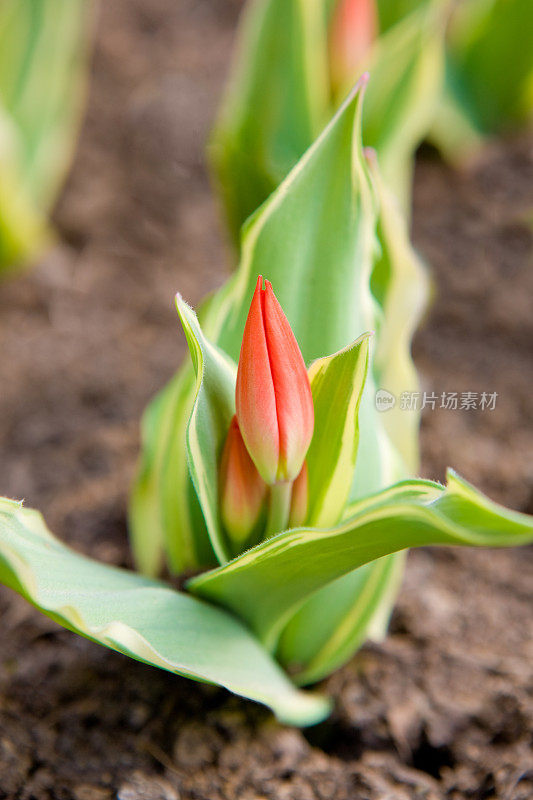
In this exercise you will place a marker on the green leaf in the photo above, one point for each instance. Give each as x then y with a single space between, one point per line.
146 527
401 285
213 409
311 647
164 513
337 383
186 538
290 567
142 618
313 240
275 105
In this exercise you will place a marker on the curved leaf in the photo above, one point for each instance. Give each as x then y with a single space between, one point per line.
143 618
313 239
337 383
164 516
311 647
290 567
400 283
214 407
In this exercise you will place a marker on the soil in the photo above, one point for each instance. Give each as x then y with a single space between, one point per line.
444 707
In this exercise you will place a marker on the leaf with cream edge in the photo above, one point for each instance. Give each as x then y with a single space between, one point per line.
164 515
337 384
213 409
143 618
401 286
360 597
313 239
290 567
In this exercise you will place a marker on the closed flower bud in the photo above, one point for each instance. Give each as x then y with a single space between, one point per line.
242 490
353 29
299 499
273 395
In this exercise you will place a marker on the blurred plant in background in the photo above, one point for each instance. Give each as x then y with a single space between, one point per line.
44 49
454 72
489 75
295 62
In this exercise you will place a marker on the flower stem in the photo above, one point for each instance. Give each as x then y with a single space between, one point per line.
279 508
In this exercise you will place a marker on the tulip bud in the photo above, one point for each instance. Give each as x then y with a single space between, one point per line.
273 395
299 499
242 490
353 30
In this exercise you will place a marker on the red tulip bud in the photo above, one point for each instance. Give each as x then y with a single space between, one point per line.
242 490
273 395
353 29
299 499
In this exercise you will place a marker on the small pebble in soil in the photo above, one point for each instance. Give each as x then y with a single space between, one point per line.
141 787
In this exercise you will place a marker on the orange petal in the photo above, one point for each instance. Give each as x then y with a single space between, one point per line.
254 395
294 403
242 491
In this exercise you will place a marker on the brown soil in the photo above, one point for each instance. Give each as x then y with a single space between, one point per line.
443 708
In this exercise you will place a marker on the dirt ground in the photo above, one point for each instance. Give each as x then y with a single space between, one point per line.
444 707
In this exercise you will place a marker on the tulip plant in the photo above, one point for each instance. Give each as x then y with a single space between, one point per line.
451 72
279 488
43 65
